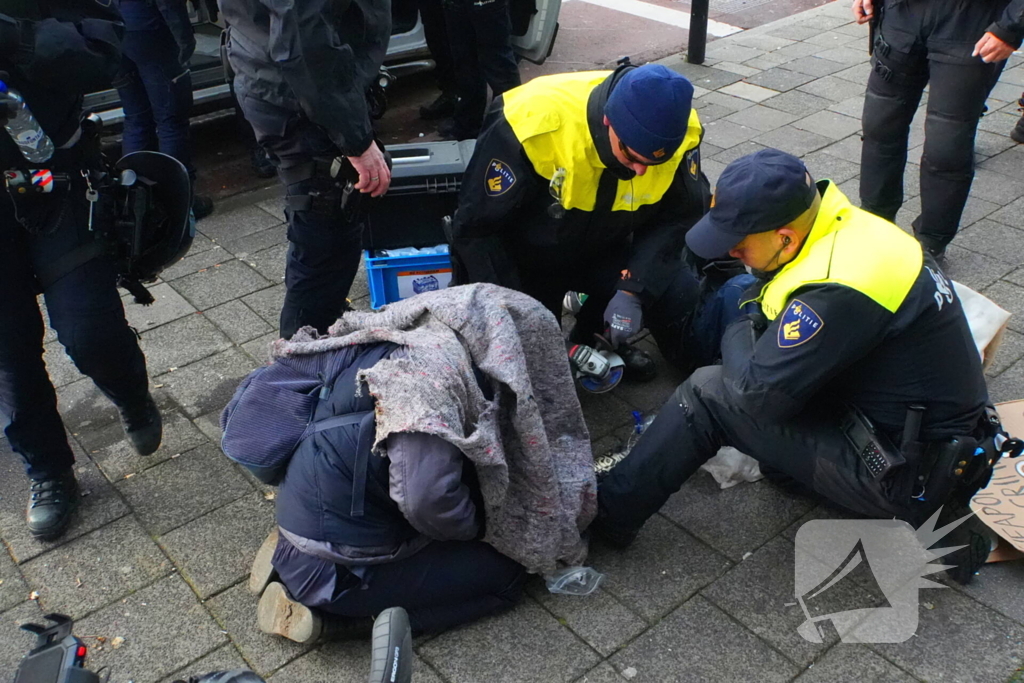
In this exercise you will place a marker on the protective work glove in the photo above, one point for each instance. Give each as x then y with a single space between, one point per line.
624 316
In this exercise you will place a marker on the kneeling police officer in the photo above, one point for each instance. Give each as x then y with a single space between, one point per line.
52 53
857 376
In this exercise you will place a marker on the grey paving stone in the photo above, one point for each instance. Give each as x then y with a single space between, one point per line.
826 18
726 134
796 102
267 303
1010 297
912 180
524 644
853 664
259 348
1012 214
767 61
1011 349
780 79
996 187
727 101
649 397
82 406
232 225
1009 385
991 144
224 658
730 52
707 150
13 590
169 305
997 585
847 149
16 643
710 112
993 239
235 611
829 124
858 73
1008 162
100 504
172 493
761 41
238 321
701 76
342 662
59 365
761 118
831 39
823 165
794 32
208 384
181 342
844 54
195 262
815 66
270 263
833 88
974 270
1014 76
1005 92
759 593
988 646
700 643
96 569
793 140
599 619
164 628
274 206
200 244
910 210
736 520
360 285
217 549
754 93
219 284
712 169
110 450
976 209
853 107
663 568
741 150
741 69
258 241
797 51
209 425
851 188
604 412
602 673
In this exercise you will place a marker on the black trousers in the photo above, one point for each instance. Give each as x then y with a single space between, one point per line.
926 42
85 310
323 249
445 584
480 33
435 31
698 419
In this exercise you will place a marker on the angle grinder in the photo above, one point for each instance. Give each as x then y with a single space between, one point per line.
599 370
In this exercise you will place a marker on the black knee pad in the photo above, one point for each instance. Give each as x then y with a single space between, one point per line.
949 144
886 116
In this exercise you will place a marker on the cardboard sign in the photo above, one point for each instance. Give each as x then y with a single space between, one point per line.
1000 505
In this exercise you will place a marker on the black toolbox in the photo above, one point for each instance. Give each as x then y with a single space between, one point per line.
425 181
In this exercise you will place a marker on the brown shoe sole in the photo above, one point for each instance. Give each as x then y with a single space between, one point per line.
278 614
262 567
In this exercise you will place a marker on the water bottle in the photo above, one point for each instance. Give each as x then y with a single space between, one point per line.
36 146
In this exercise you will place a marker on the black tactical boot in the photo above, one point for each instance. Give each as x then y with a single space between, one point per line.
277 614
1017 134
143 425
616 537
202 206
640 367
449 129
51 504
442 107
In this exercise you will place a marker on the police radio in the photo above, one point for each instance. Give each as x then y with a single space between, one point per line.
874 448
58 656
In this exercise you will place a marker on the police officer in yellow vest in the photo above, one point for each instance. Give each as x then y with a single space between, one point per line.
859 339
588 182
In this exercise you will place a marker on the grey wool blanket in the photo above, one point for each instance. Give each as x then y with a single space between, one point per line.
529 445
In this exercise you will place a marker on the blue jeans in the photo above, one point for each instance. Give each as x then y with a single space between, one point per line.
156 94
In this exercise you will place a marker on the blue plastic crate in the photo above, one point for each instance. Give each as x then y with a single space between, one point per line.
393 278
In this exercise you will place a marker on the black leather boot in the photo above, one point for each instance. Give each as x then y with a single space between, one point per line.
51 504
441 108
1017 134
143 425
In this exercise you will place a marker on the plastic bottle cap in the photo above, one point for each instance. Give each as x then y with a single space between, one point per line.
3 87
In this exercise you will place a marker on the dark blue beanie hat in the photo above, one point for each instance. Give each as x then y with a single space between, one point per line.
650 110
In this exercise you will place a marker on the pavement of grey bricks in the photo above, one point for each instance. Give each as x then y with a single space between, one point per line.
159 553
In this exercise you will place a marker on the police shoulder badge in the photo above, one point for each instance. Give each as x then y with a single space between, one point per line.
692 161
499 178
798 325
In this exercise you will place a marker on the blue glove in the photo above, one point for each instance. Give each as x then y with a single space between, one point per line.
624 317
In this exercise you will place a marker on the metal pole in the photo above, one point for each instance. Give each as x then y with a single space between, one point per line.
698 32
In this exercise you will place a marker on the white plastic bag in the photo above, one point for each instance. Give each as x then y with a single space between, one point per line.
729 467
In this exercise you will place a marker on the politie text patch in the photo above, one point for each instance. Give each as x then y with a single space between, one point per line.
499 178
799 324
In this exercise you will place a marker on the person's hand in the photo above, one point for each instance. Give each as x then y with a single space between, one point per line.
991 49
625 317
374 174
863 11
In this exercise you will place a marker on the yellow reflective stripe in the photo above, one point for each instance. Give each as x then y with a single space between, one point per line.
850 247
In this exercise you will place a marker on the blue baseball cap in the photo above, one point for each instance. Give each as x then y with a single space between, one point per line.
649 108
760 192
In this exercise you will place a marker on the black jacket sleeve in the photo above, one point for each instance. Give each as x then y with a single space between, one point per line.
487 214
775 376
658 244
1009 28
76 50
